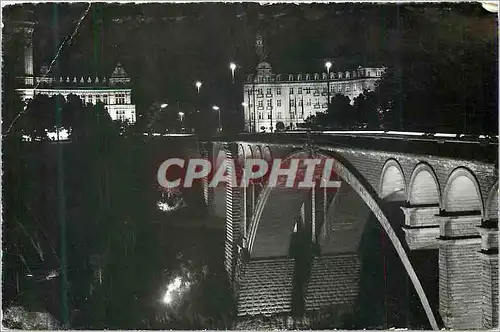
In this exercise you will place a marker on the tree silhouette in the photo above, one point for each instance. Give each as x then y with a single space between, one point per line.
366 107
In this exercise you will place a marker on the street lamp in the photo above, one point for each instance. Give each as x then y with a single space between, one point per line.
181 115
217 108
232 66
328 64
164 105
198 86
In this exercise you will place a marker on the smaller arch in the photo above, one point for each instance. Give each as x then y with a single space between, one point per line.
392 179
257 152
248 151
266 154
424 188
462 192
241 155
491 208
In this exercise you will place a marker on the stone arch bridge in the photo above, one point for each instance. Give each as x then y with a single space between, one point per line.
446 193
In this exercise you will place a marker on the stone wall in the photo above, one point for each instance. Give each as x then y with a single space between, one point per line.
459 283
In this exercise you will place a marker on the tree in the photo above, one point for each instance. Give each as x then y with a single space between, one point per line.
366 107
340 113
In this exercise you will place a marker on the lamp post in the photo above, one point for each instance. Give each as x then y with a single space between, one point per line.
181 115
198 86
217 108
232 66
328 64
272 119
253 102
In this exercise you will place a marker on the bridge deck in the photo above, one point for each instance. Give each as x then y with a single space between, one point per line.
469 148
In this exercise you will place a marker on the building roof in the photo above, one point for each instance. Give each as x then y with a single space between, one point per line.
266 287
118 77
265 75
333 280
119 72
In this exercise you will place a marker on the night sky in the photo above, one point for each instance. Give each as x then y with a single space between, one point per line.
165 48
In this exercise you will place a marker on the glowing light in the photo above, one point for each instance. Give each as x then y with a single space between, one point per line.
244 104
163 105
215 108
173 288
232 66
198 86
328 64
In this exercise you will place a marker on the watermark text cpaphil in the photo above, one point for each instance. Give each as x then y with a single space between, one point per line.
301 173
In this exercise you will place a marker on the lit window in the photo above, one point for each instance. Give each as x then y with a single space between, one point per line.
278 91
269 102
278 115
278 102
120 114
268 91
308 90
291 91
261 103
299 91
120 98
308 102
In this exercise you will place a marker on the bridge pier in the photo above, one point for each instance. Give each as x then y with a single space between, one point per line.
206 151
460 298
234 213
489 275
420 227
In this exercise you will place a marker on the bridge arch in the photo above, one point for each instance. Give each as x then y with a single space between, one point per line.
462 192
353 178
392 180
267 154
423 188
491 208
256 151
247 150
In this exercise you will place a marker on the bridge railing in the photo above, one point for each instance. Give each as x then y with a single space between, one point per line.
403 135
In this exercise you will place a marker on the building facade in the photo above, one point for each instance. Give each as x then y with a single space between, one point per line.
113 91
271 98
